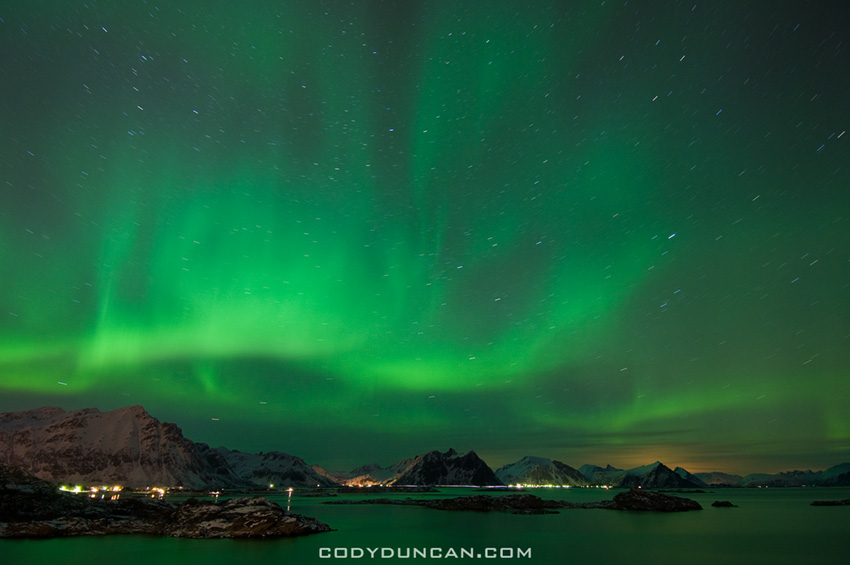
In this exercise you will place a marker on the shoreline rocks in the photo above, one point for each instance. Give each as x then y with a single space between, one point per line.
50 515
238 518
34 508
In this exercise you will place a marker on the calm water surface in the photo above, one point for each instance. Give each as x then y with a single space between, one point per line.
772 526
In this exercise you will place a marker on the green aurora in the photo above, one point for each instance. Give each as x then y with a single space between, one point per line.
360 231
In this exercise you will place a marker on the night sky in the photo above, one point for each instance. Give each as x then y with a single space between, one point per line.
601 232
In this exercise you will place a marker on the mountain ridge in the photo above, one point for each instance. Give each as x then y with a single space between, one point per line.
129 446
532 470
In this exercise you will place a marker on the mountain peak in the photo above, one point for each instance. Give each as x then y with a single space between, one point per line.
128 446
449 468
531 470
534 460
658 476
135 408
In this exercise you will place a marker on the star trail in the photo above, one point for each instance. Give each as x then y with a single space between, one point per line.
353 231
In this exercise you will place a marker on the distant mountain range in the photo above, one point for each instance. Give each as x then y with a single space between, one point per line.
656 475
131 448
838 475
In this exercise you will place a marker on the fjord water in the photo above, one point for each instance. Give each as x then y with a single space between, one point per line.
769 526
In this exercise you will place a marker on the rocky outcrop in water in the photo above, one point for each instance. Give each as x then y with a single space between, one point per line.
514 503
845 502
239 518
638 499
531 504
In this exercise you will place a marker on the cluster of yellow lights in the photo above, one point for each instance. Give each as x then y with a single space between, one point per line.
76 490
156 492
112 491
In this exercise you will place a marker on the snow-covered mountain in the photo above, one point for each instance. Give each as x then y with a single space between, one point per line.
719 479
366 475
834 476
597 475
660 476
685 474
125 446
842 480
834 472
432 468
654 475
130 447
449 468
375 474
657 475
786 479
540 471
273 468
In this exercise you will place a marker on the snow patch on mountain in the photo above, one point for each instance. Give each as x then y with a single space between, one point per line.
532 470
273 468
130 447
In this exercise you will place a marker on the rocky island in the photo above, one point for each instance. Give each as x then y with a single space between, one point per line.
845 502
634 499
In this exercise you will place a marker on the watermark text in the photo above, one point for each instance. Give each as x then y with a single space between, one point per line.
424 553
